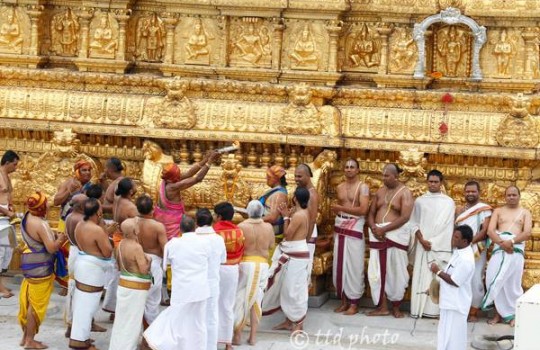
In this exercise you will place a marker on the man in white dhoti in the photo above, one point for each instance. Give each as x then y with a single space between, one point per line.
189 257
476 215
72 220
288 276
229 272
253 275
152 237
8 239
133 285
389 238
302 177
433 220
90 267
349 244
510 227
455 291
218 256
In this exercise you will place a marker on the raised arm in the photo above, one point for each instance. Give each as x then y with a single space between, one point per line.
69 186
51 243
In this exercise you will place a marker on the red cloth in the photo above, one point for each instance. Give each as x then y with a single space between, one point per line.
234 240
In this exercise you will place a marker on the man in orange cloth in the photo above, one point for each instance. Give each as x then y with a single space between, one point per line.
228 273
37 264
170 207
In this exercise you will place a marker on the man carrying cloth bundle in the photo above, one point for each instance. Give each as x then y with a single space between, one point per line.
37 264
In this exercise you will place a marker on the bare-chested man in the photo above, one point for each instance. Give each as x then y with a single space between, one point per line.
90 267
123 209
170 207
389 238
72 186
349 244
113 171
476 215
509 228
8 165
259 240
302 177
152 237
289 274
135 281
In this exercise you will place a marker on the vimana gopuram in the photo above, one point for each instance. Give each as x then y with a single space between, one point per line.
428 84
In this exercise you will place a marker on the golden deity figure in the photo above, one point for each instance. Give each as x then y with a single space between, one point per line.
151 39
11 39
65 34
403 51
154 159
304 55
451 48
364 50
103 44
249 45
503 51
235 189
197 48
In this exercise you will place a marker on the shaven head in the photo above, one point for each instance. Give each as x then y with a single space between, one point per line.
77 202
129 228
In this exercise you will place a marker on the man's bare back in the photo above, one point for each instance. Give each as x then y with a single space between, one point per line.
259 238
93 240
298 229
151 234
72 221
124 209
131 257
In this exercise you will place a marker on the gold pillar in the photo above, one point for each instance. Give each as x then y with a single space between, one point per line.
85 16
278 42
384 31
334 28
170 23
34 11
122 16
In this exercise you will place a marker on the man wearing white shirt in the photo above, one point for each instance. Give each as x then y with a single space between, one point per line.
456 291
183 325
218 256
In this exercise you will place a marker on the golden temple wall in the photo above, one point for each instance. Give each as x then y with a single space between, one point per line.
288 79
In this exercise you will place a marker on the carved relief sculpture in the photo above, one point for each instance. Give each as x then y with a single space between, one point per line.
452 47
65 34
518 129
103 36
197 48
11 38
304 53
363 50
175 111
403 51
250 45
150 39
301 116
503 50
